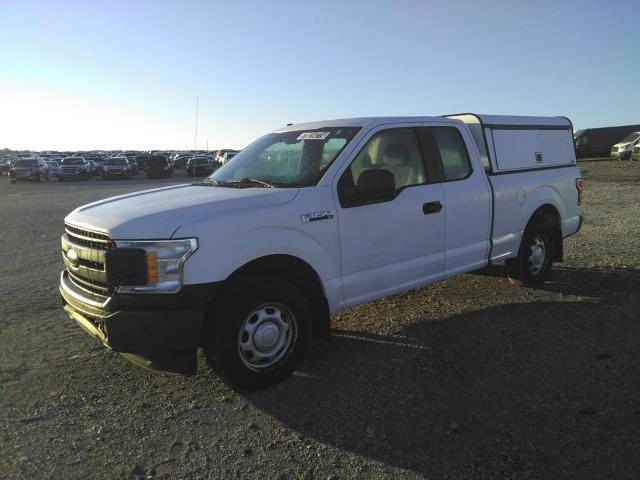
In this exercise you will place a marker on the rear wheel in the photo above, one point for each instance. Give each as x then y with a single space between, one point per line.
258 331
533 264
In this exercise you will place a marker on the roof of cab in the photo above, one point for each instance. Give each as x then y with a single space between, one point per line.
486 119
357 122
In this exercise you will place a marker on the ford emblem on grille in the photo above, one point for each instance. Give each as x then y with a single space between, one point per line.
72 256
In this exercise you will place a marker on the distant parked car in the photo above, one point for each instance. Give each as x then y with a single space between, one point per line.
158 167
199 166
142 161
74 167
228 156
5 164
28 169
220 157
94 168
54 168
180 161
117 167
622 150
135 168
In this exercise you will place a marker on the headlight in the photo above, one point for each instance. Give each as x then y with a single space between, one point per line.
165 259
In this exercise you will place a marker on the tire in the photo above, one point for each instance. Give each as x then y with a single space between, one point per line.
38 179
104 177
13 182
276 306
533 264
61 179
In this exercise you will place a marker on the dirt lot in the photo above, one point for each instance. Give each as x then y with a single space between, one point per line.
475 377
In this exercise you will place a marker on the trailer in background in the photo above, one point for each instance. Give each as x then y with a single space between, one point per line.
597 142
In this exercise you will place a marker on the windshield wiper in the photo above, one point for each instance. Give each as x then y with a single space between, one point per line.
246 182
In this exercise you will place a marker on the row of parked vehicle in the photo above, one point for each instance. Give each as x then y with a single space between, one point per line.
46 166
616 142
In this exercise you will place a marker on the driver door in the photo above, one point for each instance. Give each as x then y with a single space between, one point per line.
395 244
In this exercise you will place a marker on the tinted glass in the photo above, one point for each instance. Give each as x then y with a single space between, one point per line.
394 150
453 153
287 159
116 161
25 163
72 161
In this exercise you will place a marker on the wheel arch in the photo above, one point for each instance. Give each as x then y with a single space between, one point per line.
548 211
297 272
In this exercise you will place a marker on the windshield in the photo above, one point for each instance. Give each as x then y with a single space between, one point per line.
25 163
288 159
116 161
632 138
72 161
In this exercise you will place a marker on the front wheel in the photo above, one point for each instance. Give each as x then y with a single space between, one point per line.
533 264
258 331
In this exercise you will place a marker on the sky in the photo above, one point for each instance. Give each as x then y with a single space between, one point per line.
126 74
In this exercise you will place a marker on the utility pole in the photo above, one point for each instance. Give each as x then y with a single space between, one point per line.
195 141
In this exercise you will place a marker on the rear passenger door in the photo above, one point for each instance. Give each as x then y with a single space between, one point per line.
467 197
396 244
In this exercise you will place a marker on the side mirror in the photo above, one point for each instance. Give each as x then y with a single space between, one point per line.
374 186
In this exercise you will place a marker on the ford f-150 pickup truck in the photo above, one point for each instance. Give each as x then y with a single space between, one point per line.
311 219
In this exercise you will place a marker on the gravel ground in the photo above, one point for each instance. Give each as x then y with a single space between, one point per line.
474 377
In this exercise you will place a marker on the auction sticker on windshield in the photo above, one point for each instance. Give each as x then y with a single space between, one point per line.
313 135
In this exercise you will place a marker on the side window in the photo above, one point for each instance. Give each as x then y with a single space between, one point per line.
454 158
394 150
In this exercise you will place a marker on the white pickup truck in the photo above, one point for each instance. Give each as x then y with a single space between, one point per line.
312 219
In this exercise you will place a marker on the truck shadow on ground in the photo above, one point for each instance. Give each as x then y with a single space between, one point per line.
545 389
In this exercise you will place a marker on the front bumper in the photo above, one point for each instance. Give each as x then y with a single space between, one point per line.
115 173
21 176
70 174
161 332
621 155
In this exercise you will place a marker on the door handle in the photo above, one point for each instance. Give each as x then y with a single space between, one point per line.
431 207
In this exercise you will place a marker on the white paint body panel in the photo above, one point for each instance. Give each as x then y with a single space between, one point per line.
363 253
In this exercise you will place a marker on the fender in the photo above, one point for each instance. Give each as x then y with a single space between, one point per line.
540 196
214 262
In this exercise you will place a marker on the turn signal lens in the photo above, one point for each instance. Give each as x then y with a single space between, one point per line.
579 187
152 267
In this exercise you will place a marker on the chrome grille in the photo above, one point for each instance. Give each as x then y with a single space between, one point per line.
93 287
88 238
87 271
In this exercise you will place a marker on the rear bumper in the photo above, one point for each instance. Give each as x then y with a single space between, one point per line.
162 332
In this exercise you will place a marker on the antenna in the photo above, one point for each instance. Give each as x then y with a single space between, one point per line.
195 145
195 141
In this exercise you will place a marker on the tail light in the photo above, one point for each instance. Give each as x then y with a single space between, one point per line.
579 187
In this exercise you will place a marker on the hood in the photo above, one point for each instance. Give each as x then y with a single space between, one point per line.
158 213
